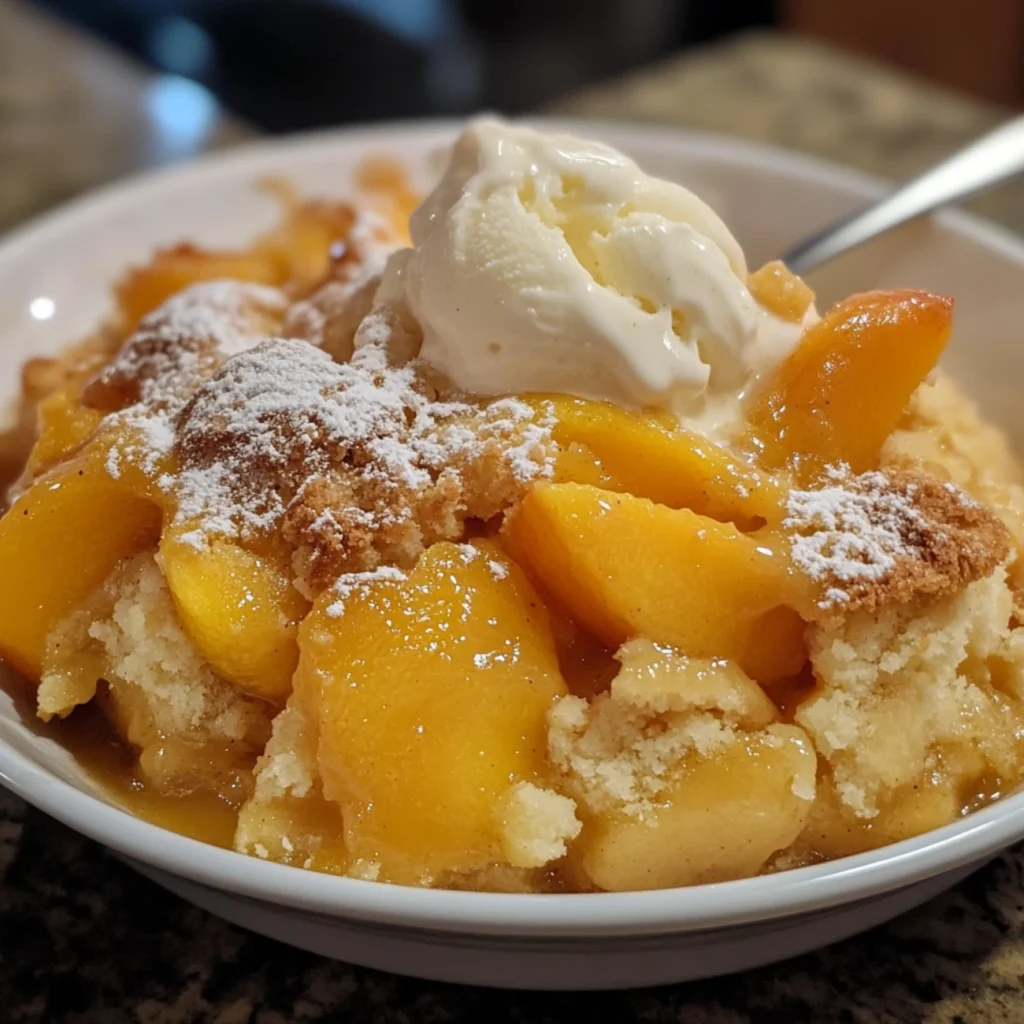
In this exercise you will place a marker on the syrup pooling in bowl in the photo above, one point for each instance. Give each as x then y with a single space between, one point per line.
381 625
112 765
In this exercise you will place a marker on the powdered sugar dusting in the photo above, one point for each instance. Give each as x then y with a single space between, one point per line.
356 463
351 582
270 411
113 463
374 239
282 414
215 310
849 532
965 500
357 454
534 432
188 337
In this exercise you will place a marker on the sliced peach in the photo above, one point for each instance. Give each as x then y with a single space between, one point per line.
682 772
779 290
59 541
301 246
775 649
842 390
142 289
647 455
388 189
833 829
588 667
64 426
240 610
624 567
298 251
432 692
577 464
722 817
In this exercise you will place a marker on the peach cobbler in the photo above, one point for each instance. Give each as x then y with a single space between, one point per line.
529 543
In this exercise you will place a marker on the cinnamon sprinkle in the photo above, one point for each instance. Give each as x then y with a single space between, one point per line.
356 464
886 537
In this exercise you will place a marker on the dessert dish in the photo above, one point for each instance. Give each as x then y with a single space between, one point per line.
543 549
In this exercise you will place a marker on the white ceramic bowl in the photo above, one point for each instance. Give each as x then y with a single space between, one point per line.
770 199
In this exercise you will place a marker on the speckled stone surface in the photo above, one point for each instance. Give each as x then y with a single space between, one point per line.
780 90
85 940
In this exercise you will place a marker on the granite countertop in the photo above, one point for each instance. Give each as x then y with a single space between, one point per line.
85 939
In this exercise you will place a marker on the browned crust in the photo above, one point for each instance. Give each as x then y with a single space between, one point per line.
953 541
170 352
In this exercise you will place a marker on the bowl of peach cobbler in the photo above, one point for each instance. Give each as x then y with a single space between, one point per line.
465 561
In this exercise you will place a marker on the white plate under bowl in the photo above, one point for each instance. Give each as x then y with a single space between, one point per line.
770 199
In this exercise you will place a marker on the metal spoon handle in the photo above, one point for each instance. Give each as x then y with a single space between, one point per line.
994 157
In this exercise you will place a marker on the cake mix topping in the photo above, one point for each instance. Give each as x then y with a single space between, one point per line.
361 461
885 536
353 455
185 340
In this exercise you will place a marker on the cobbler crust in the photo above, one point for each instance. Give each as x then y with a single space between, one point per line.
946 540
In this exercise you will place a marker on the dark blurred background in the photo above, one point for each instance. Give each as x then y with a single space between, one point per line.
290 64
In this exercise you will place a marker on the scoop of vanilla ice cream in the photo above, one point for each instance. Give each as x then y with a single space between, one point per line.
547 263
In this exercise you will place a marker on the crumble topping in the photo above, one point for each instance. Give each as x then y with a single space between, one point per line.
358 463
621 751
330 317
184 341
126 646
536 825
943 430
916 690
884 537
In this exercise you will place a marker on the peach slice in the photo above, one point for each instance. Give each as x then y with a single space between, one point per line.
59 541
240 610
682 771
833 829
142 289
64 426
624 567
648 455
432 694
775 650
841 392
388 189
722 818
577 464
300 246
780 291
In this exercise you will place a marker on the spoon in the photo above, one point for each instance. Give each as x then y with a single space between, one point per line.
987 161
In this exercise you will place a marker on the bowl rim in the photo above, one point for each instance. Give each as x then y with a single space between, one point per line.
969 840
